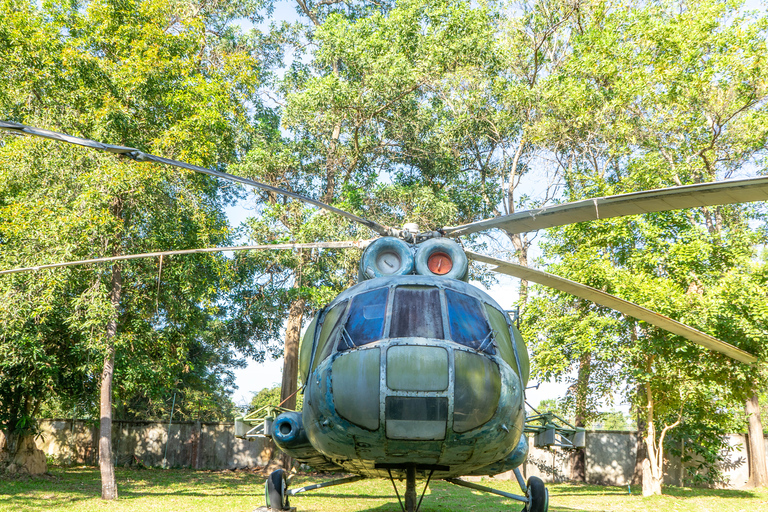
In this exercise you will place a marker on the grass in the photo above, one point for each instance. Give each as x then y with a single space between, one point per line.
78 490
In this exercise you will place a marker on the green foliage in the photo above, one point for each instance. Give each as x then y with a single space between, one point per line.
613 420
168 80
651 96
552 405
271 396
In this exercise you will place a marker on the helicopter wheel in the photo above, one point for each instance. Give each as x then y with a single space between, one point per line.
538 496
275 491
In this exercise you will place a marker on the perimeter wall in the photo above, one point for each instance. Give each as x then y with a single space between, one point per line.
610 456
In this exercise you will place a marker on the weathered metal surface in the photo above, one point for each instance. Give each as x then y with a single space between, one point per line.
621 305
659 200
140 156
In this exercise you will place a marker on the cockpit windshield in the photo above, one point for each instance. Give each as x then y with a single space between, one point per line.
417 312
467 322
365 322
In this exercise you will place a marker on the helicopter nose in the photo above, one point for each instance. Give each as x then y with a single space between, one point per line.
417 368
417 383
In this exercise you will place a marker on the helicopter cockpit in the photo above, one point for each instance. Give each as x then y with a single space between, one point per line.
396 311
412 354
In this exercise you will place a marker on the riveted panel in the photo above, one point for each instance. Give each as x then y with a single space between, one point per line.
355 384
477 390
417 368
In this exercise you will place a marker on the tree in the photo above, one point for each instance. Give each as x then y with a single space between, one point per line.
650 105
146 74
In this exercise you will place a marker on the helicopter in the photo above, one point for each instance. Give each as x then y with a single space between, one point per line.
413 373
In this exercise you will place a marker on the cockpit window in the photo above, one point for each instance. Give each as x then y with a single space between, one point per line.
365 323
467 322
328 333
416 312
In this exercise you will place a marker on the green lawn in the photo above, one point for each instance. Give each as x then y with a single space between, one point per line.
77 489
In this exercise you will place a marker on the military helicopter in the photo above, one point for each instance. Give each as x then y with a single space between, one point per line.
415 374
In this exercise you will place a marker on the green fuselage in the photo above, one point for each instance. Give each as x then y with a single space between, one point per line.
415 370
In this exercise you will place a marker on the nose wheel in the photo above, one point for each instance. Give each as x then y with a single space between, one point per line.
275 491
537 494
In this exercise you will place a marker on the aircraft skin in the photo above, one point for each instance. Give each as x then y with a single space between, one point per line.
395 377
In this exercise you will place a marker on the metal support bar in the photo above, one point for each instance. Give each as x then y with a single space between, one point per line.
520 480
476 487
425 490
410 489
340 481
402 507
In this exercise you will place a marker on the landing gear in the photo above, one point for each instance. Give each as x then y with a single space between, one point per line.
538 496
410 504
276 491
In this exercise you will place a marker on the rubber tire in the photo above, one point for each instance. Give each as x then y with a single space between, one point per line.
275 488
538 495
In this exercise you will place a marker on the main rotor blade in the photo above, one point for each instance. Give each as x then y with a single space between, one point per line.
659 200
360 244
611 301
140 156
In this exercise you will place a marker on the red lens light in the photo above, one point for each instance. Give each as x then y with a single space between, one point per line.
439 263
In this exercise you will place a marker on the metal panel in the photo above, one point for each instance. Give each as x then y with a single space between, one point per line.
417 368
611 301
416 418
673 198
355 382
477 389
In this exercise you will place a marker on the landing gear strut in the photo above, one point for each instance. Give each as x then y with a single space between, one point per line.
277 492
536 497
410 489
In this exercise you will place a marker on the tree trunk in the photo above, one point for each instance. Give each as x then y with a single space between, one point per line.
521 251
578 457
291 354
641 454
20 455
291 361
106 462
652 464
758 473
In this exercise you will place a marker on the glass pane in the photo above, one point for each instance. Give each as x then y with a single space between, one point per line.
305 350
417 313
501 335
522 352
365 323
467 321
328 333
416 417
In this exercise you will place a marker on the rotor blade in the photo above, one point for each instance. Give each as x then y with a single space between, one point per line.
140 156
360 244
659 200
611 301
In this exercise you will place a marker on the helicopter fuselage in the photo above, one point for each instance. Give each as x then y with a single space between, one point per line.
415 370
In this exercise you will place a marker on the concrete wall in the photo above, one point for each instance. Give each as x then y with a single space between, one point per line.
190 444
610 456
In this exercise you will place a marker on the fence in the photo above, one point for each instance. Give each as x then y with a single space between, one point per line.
610 456
190 444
